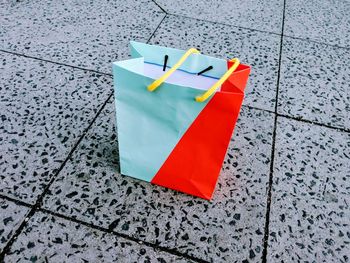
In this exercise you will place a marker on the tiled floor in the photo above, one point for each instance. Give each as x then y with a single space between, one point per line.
284 189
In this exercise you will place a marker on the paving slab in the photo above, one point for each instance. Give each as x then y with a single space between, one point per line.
228 228
260 50
45 108
50 239
88 34
310 206
315 83
260 15
326 21
11 216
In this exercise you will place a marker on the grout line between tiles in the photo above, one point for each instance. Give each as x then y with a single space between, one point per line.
269 194
54 62
17 202
300 119
121 235
257 108
39 200
261 31
269 189
74 220
316 42
160 7
149 39
225 24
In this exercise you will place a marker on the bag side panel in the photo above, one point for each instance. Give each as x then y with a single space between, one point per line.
193 166
150 124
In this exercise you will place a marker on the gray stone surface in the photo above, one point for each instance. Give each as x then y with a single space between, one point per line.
254 48
45 108
315 83
326 21
310 207
51 239
11 216
228 228
260 15
89 34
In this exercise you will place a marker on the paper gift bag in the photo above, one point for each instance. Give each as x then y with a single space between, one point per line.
174 125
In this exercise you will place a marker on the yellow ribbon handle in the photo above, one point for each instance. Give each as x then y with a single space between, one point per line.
155 84
217 84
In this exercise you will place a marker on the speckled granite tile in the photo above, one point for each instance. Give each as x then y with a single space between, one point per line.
89 34
228 228
310 207
261 15
259 50
315 83
44 110
11 216
326 21
50 239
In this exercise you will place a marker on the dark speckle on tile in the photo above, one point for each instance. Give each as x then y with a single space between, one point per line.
50 239
44 109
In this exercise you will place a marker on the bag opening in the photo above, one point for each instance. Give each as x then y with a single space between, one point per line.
179 77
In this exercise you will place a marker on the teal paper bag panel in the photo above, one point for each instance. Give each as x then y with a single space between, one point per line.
149 124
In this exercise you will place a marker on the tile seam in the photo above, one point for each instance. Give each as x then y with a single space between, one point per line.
269 189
